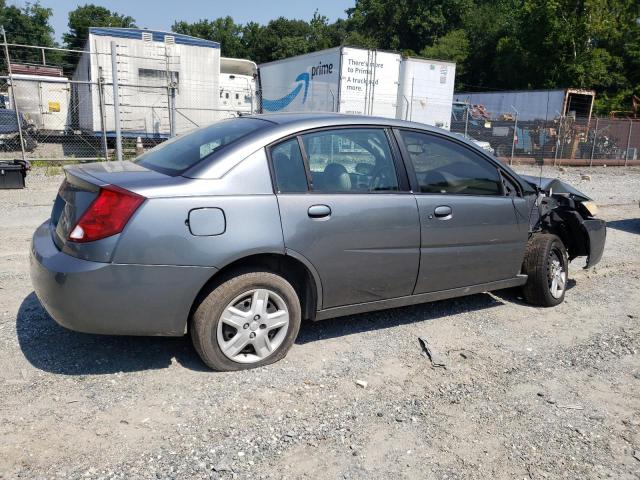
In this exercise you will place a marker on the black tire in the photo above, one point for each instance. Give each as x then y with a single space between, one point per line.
207 315
538 264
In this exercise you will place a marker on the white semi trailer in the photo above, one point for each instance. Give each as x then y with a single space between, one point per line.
237 86
360 81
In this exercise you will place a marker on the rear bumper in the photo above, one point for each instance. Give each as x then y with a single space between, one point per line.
114 299
597 232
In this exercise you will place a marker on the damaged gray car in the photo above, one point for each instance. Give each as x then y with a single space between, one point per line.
238 231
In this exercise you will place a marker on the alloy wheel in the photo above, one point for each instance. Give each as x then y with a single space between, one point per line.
253 326
557 274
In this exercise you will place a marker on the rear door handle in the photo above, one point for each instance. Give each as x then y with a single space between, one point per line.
319 211
443 211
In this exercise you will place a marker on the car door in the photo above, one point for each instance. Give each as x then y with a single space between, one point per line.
472 227
347 212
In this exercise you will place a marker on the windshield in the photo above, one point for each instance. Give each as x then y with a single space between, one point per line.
181 153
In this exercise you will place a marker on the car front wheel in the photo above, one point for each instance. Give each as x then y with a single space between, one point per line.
247 321
547 266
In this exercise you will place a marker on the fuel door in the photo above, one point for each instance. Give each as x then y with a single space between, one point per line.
206 222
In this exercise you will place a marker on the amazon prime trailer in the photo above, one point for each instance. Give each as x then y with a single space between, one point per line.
168 83
360 81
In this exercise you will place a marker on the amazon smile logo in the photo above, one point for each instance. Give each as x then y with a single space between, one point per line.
302 81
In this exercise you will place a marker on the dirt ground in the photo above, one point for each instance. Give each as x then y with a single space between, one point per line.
527 393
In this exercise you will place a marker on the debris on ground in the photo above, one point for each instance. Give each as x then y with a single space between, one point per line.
428 352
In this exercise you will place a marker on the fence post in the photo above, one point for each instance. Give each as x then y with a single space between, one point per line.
558 141
466 120
626 152
116 100
103 122
13 94
172 110
593 145
515 136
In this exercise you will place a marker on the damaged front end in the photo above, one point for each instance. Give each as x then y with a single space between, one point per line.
570 214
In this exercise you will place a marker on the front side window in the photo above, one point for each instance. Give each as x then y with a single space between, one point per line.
354 160
288 167
443 166
184 151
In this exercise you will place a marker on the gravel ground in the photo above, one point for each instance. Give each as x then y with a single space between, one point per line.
526 393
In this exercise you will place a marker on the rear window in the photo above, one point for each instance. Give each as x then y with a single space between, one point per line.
183 152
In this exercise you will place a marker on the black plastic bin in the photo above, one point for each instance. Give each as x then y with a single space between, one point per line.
12 174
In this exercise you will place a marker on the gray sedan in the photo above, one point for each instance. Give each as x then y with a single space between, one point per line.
238 231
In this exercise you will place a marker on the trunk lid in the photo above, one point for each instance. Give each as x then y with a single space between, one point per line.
80 188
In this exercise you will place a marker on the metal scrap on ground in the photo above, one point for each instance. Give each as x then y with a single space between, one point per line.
428 352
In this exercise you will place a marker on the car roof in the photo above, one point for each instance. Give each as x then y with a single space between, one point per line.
337 119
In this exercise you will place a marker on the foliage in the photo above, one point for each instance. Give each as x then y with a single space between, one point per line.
90 15
497 44
27 26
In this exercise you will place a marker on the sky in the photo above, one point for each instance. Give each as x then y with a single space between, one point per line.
160 14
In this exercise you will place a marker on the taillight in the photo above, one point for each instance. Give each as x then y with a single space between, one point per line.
107 215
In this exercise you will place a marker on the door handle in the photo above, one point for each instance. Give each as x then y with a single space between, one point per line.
443 211
319 211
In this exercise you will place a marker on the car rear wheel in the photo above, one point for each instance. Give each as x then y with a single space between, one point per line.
247 321
547 266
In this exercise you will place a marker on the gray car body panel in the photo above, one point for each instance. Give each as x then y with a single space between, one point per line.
160 235
374 251
481 241
109 298
366 250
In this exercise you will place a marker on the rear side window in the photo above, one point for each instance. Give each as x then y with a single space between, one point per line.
443 166
288 167
183 152
350 160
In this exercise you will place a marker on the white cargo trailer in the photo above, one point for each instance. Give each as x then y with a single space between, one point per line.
360 81
44 100
426 91
152 66
237 85
341 79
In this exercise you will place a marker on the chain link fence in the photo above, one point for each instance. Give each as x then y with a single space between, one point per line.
562 140
62 105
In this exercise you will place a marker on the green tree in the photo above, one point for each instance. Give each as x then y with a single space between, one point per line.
27 26
453 46
406 25
90 15
223 30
